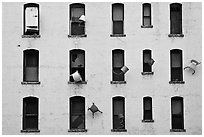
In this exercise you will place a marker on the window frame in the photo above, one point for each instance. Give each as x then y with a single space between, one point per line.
178 22
72 6
174 70
71 101
147 98
146 65
148 5
177 98
117 21
27 5
26 53
122 99
82 69
121 75
27 100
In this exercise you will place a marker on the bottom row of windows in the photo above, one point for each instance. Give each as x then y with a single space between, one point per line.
77 113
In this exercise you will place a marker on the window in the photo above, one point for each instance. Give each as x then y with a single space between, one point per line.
30 114
118 18
77 63
118 114
176 65
77 113
175 18
117 64
147 61
177 114
31 19
77 25
147 106
30 65
146 15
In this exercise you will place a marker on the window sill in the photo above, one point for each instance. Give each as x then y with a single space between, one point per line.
118 130
81 82
176 35
25 83
147 73
77 130
118 35
77 36
143 26
29 131
118 82
31 36
177 130
176 82
148 121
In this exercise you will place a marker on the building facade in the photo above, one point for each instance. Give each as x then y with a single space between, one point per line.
60 58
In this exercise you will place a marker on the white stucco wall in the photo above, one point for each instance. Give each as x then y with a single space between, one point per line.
54 91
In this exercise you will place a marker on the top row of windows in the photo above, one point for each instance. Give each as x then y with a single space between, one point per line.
77 19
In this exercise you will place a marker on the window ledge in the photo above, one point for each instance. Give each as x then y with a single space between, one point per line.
149 26
118 130
177 130
25 82
176 35
118 82
80 82
29 131
31 36
176 82
147 73
77 36
118 35
147 120
77 130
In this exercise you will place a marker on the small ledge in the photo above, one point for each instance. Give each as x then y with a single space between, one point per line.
118 130
117 35
143 26
77 36
148 120
147 73
80 82
32 83
77 130
176 82
118 82
30 131
176 35
177 130
31 36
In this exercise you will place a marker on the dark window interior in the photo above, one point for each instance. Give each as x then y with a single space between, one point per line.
77 62
147 102
147 66
176 18
30 113
31 63
118 113
118 18
77 117
146 14
176 65
77 26
31 19
177 113
118 63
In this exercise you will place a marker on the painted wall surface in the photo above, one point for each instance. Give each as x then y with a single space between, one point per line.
54 91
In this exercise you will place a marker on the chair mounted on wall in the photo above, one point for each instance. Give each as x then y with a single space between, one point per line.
94 109
192 65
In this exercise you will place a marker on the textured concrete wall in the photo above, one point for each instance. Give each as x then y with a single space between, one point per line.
54 91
